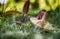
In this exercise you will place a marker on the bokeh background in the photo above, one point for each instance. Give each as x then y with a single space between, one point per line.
34 4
